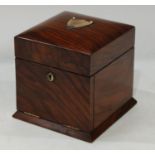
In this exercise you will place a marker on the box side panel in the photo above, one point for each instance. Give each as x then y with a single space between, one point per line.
92 87
113 87
112 51
52 56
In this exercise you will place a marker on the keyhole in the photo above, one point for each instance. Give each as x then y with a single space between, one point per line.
50 77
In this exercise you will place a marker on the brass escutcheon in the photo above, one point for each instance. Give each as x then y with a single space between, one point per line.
78 23
50 77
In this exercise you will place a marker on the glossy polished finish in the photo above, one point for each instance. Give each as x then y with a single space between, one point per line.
113 87
83 51
86 40
65 100
77 81
86 136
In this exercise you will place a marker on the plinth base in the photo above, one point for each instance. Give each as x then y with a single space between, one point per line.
90 136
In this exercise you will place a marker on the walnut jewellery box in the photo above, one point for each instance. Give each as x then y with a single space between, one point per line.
74 74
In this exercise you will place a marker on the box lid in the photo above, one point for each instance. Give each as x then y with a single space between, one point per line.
75 42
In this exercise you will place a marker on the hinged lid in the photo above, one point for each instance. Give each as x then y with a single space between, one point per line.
75 42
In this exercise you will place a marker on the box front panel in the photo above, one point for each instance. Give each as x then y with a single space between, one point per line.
113 87
54 95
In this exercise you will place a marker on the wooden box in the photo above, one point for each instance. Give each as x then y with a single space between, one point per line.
75 74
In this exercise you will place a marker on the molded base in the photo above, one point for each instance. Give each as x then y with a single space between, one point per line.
89 137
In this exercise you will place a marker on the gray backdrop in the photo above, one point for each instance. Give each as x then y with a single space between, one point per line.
136 130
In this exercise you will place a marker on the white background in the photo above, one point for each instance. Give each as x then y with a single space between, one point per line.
135 130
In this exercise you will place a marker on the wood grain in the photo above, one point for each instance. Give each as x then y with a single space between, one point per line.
66 100
86 40
113 87
83 51
93 75
86 136
52 56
